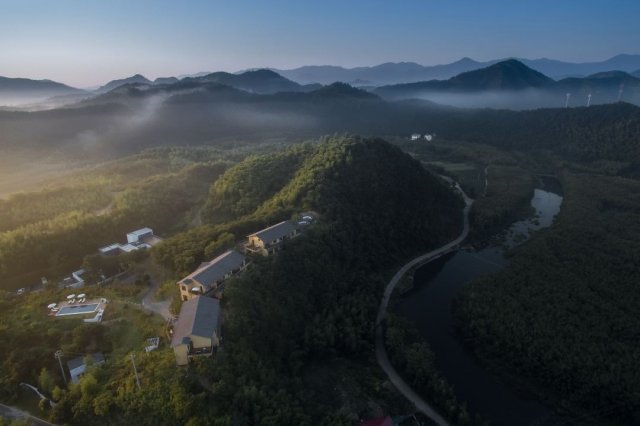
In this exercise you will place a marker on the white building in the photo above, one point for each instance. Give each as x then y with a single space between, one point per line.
416 136
139 235
138 239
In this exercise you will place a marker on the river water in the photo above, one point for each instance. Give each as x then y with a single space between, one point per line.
428 305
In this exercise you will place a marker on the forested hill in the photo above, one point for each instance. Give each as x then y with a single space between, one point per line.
602 132
131 119
369 189
298 326
311 308
358 182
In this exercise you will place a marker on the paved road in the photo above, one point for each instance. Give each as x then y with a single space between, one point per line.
381 352
160 308
9 412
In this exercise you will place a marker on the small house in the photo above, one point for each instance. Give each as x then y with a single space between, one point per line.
197 331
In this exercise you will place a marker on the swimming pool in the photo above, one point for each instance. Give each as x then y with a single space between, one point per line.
78 309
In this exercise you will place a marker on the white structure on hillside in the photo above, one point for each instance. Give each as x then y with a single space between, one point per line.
75 280
139 235
138 239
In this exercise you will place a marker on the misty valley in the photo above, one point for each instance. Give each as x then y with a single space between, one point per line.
389 245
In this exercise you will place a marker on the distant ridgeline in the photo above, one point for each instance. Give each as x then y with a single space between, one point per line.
128 119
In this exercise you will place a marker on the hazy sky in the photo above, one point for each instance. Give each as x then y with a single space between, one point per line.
88 42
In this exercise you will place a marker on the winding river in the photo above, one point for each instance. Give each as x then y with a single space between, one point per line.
428 305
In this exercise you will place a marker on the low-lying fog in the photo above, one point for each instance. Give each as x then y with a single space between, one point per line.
520 100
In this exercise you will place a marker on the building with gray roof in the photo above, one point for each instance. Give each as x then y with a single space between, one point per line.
78 366
210 275
197 331
269 240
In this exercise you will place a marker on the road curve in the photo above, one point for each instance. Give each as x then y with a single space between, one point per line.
160 308
381 352
13 413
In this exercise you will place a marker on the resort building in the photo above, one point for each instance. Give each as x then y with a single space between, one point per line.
138 239
78 366
197 331
269 240
75 280
211 275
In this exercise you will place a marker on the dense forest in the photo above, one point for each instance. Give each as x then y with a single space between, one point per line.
299 326
130 119
563 314
47 233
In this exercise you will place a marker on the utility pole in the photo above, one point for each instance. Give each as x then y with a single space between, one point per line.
135 371
58 356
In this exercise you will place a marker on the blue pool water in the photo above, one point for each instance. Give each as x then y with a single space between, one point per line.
77 309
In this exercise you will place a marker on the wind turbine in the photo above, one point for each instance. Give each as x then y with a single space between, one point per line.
566 102
589 99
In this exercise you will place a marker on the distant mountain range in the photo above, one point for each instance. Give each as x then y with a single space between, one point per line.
261 81
409 72
511 84
135 79
23 90
500 84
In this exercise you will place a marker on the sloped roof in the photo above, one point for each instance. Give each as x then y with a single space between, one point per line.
216 269
98 358
276 231
141 231
199 316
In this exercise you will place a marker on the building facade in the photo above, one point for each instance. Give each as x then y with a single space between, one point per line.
197 331
211 275
269 240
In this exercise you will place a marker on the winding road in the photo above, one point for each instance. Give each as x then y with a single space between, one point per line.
381 352
13 413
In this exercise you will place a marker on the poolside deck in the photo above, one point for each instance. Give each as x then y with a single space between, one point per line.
67 309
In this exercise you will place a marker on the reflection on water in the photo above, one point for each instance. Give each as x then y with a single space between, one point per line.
429 306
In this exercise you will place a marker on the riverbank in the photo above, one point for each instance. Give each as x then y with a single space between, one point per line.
428 306
381 353
562 318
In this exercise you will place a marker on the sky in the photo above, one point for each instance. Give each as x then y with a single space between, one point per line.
89 42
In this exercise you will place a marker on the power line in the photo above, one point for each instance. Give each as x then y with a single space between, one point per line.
135 371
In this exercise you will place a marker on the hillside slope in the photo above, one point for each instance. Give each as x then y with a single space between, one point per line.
313 304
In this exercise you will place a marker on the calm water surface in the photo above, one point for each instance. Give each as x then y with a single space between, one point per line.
428 305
